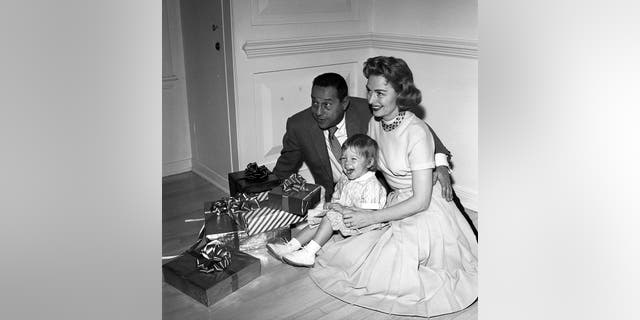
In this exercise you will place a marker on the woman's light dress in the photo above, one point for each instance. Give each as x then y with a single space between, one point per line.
424 264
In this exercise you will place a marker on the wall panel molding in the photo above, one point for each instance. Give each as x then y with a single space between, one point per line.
277 47
433 45
430 45
270 12
278 94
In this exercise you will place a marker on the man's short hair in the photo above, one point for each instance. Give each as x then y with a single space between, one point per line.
333 80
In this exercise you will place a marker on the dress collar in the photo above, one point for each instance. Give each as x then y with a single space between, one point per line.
365 176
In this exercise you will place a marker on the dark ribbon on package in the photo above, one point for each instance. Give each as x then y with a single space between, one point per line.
254 173
295 182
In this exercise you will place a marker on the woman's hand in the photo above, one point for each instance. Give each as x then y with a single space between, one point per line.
354 218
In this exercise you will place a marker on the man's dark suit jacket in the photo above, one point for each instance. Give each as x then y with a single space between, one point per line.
304 142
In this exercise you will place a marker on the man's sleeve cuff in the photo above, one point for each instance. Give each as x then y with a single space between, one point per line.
441 160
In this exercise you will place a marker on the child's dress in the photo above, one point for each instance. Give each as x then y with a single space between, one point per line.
364 192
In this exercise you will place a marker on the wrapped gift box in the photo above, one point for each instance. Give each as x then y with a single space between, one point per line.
221 222
242 241
236 233
229 225
239 183
267 219
208 288
295 202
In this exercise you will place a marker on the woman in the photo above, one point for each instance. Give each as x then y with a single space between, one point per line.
425 262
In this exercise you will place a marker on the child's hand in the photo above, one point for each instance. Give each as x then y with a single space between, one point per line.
334 206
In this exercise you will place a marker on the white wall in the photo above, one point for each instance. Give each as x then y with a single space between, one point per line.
449 83
279 47
278 51
176 142
443 18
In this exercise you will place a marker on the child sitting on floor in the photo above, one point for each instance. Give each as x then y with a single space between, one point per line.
358 188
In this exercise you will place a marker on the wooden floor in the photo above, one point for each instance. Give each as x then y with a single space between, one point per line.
281 292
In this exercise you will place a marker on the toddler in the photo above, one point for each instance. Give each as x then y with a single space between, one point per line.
358 187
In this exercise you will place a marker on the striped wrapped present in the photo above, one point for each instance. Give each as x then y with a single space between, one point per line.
265 219
265 225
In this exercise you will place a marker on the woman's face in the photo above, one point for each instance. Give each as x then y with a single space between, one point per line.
382 97
354 165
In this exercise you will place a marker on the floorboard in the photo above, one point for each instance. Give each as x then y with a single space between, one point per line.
281 292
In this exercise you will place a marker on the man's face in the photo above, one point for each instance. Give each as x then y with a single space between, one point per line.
327 109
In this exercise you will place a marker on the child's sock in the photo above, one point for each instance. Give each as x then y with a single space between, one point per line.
295 244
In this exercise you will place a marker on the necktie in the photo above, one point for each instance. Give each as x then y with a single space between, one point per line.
334 143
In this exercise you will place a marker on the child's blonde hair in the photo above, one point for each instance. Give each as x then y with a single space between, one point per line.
364 146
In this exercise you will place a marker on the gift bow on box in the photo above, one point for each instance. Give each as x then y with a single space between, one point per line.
212 256
233 206
295 182
256 174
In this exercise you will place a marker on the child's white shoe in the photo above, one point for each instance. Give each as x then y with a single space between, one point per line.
301 258
280 249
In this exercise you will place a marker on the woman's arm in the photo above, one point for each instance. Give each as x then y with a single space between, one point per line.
421 184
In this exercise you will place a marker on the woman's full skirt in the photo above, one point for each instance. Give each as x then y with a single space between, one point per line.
422 265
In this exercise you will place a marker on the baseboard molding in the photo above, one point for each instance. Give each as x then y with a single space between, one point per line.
433 45
175 167
468 197
215 178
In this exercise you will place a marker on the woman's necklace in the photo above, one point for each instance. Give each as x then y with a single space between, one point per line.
393 124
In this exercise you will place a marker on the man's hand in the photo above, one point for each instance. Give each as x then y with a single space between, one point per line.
441 173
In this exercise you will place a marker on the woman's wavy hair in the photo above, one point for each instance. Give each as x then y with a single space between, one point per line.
364 146
398 74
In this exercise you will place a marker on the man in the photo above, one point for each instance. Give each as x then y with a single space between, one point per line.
313 135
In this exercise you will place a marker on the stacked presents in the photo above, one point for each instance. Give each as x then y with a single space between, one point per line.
261 209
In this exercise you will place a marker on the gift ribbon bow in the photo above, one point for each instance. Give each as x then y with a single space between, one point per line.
234 205
211 257
295 182
255 174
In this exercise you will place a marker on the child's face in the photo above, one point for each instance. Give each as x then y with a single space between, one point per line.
354 165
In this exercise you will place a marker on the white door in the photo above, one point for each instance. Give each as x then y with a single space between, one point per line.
207 89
